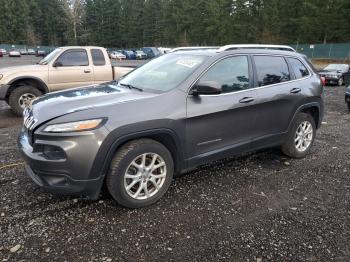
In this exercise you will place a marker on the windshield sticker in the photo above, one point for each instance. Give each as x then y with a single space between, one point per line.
188 62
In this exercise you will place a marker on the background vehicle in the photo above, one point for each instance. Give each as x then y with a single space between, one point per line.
176 112
140 54
130 55
23 51
41 53
31 51
65 67
334 73
164 50
14 53
3 51
151 52
117 55
1 55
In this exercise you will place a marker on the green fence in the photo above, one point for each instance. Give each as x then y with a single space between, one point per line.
325 51
9 47
314 51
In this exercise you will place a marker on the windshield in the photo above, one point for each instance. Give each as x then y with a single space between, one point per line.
163 73
47 59
340 67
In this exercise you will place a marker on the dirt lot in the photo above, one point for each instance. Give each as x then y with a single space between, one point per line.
257 207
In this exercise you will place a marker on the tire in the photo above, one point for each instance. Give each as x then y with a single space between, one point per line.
18 93
290 147
341 81
349 106
122 163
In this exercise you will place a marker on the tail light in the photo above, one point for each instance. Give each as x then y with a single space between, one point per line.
323 80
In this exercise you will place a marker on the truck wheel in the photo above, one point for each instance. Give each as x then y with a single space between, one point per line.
300 137
140 173
21 97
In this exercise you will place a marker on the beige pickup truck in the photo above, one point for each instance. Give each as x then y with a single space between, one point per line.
63 68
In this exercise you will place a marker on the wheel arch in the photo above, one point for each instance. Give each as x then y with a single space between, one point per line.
314 109
165 136
30 80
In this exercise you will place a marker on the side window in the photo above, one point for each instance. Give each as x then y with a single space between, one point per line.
231 73
97 57
271 70
74 58
298 68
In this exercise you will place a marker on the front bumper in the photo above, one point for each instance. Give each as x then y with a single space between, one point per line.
331 80
3 91
62 164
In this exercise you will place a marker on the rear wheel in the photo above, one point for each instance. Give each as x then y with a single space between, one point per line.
140 173
22 97
349 106
300 137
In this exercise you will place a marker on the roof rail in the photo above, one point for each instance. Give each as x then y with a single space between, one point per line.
256 46
193 48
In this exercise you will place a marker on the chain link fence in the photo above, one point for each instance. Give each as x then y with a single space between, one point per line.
8 47
325 51
313 51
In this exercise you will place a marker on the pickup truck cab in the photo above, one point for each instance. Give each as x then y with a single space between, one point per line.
65 67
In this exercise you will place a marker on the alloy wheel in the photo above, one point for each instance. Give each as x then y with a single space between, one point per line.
25 100
145 176
304 136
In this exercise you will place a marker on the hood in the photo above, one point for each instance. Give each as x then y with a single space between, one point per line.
329 71
60 103
23 69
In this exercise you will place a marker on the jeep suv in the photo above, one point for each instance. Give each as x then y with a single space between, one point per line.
176 112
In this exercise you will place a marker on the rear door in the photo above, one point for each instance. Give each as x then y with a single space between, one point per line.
218 122
101 66
71 69
279 92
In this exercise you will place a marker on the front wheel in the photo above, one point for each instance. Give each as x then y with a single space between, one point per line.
22 97
349 106
140 173
300 137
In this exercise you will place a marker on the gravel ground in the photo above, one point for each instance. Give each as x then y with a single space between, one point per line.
257 207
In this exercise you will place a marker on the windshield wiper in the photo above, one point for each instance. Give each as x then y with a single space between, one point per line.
131 87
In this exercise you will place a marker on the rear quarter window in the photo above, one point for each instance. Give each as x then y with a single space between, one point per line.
298 68
97 57
271 70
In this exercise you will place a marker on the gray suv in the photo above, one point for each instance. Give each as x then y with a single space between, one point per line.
174 113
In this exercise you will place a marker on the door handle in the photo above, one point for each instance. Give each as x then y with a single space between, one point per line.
295 90
87 71
246 100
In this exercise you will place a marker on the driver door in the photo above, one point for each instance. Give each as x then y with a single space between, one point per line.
220 123
71 69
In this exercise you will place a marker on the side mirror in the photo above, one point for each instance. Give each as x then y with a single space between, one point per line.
57 64
206 88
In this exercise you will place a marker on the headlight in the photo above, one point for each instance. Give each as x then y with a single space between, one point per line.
74 126
1 76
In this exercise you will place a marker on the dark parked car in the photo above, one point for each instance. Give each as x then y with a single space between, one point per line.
334 73
1 54
151 52
176 112
130 55
347 97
